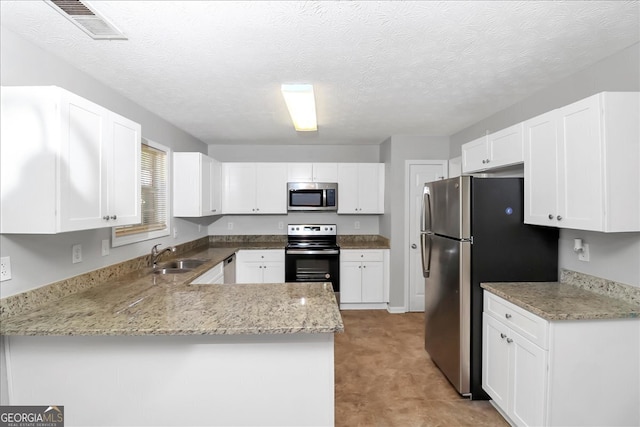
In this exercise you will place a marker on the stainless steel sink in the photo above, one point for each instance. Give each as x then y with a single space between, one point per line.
171 270
184 264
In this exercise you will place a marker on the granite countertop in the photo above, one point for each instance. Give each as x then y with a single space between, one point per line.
143 303
562 301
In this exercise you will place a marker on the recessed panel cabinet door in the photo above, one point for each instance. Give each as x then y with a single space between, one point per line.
495 361
271 188
124 197
350 282
82 165
240 188
372 282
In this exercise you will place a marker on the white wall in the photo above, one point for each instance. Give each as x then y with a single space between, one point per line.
394 152
613 256
37 260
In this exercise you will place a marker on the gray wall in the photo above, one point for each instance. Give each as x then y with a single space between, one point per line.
40 259
394 152
613 256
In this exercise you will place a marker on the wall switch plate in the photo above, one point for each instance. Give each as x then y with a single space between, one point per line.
280 225
105 247
76 253
175 232
356 225
229 226
583 255
5 268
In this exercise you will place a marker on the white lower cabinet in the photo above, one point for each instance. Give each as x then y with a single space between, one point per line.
214 276
560 373
364 278
260 266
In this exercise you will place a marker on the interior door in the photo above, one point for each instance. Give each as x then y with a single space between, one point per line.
418 175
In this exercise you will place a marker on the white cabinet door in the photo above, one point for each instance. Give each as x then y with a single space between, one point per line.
300 172
124 158
249 272
475 155
271 188
239 188
350 282
325 172
373 282
528 378
540 170
580 166
83 169
360 188
273 272
495 361
196 185
506 147
371 188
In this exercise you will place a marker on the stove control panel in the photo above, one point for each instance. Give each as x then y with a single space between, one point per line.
312 230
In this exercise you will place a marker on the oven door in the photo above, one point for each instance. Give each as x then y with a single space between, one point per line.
302 265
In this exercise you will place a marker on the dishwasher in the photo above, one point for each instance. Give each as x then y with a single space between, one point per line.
230 270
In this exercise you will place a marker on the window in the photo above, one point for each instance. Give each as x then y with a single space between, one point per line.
155 192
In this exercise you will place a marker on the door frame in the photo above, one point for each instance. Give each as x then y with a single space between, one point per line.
407 217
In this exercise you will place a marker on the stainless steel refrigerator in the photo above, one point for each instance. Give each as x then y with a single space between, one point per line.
473 231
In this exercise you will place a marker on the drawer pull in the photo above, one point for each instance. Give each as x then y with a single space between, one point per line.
509 340
507 315
503 336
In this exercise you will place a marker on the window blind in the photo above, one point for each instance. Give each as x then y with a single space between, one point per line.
154 193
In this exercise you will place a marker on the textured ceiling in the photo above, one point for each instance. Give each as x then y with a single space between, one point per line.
379 69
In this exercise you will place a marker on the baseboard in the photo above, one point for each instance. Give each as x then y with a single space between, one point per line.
363 306
396 310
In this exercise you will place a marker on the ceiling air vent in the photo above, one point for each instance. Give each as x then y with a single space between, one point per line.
87 19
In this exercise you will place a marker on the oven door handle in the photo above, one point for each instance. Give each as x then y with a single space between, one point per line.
311 252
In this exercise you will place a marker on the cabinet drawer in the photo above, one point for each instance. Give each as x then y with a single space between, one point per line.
527 324
249 255
363 255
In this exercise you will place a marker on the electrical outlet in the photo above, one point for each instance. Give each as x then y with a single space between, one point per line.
175 232
583 255
76 253
5 268
229 226
356 225
105 247
280 225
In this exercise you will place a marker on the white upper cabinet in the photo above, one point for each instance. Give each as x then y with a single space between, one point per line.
67 163
360 188
582 165
499 149
255 188
312 172
197 183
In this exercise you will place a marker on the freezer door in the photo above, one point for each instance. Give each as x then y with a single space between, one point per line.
449 207
447 310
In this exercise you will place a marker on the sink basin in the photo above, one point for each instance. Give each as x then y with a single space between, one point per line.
171 270
183 264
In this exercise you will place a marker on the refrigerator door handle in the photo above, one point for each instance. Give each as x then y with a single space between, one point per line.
425 221
426 253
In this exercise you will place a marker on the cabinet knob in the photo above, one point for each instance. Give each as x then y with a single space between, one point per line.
550 216
484 161
507 315
559 217
488 160
114 217
106 217
359 266
503 336
414 246
509 340
364 266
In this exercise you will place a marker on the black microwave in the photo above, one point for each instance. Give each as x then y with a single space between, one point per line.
312 196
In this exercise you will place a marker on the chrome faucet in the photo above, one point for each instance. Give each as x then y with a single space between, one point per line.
155 254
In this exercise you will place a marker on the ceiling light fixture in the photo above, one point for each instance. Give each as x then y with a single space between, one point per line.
302 106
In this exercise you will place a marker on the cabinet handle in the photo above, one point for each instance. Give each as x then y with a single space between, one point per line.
550 216
114 217
106 217
503 336
507 315
509 340
484 161
559 217
214 210
488 160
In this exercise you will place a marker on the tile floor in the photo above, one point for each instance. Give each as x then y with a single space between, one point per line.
384 377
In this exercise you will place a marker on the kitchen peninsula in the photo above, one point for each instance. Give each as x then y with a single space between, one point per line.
149 349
